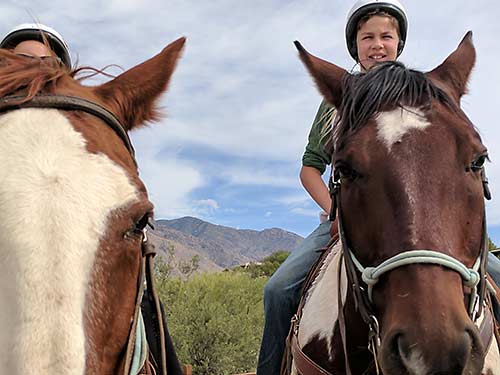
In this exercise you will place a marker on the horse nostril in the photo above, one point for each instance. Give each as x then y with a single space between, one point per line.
401 346
398 345
444 356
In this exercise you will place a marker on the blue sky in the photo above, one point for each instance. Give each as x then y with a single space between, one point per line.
240 104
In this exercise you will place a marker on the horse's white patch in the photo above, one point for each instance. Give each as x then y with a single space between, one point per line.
492 359
320 312
393 125
55 198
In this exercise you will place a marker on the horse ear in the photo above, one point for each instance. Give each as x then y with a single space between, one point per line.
455 71
132 95
328 76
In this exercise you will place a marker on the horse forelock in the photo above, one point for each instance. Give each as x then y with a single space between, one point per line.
29 76
56 198
388 86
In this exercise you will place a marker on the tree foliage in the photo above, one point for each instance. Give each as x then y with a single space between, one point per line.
491 245
267 267
215 320
168 266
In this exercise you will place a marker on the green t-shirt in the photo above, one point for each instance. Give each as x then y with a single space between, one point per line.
315 154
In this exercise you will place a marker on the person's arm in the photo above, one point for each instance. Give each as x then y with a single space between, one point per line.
314 162
316 187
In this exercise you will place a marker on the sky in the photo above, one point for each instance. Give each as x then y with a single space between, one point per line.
240 104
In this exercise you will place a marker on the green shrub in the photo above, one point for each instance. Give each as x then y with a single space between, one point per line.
215 320
267 266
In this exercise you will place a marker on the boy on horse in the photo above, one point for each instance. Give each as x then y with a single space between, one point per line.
375 32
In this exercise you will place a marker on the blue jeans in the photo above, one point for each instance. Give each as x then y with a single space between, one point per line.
282 297
494 271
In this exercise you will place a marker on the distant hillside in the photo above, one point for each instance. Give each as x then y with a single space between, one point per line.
219 246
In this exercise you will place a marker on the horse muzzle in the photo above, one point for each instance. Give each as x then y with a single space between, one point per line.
437 351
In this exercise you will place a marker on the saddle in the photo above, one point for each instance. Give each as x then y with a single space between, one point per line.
292 350
489 327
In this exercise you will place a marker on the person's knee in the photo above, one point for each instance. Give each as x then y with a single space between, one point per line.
493 262
275 292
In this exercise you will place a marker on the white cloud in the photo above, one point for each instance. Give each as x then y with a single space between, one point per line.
251 176
240 89
295 200
169 185
306 211
208 203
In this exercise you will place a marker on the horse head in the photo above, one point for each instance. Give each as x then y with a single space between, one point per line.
409 190
73 209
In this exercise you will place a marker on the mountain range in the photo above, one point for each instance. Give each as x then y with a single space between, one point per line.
218 247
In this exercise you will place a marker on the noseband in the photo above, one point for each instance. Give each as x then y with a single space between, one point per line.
474 278
137 346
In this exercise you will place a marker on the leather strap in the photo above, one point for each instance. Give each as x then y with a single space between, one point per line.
486 329
342 324
131 346
152 290
69 103
304 364
146 279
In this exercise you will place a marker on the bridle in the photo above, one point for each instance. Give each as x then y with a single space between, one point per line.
136 353
474 278
69 103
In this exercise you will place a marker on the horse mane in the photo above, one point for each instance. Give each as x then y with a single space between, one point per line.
383 88
30 76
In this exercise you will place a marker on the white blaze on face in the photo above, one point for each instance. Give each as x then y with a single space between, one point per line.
55 198
320 312
393 125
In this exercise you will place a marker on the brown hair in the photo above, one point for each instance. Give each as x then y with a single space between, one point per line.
28 76
379 13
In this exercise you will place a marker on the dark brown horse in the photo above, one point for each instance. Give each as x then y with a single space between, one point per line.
72 214
409 192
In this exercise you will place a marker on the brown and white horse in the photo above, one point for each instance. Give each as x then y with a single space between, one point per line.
72 210
408 186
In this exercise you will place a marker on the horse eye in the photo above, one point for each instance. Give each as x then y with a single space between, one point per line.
346 171
143 222
478 163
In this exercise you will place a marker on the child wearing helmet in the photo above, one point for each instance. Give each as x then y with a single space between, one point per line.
35 39
375 32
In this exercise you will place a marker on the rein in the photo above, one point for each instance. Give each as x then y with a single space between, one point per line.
136 354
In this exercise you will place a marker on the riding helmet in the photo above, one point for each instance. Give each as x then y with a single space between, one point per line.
361 8
33 31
